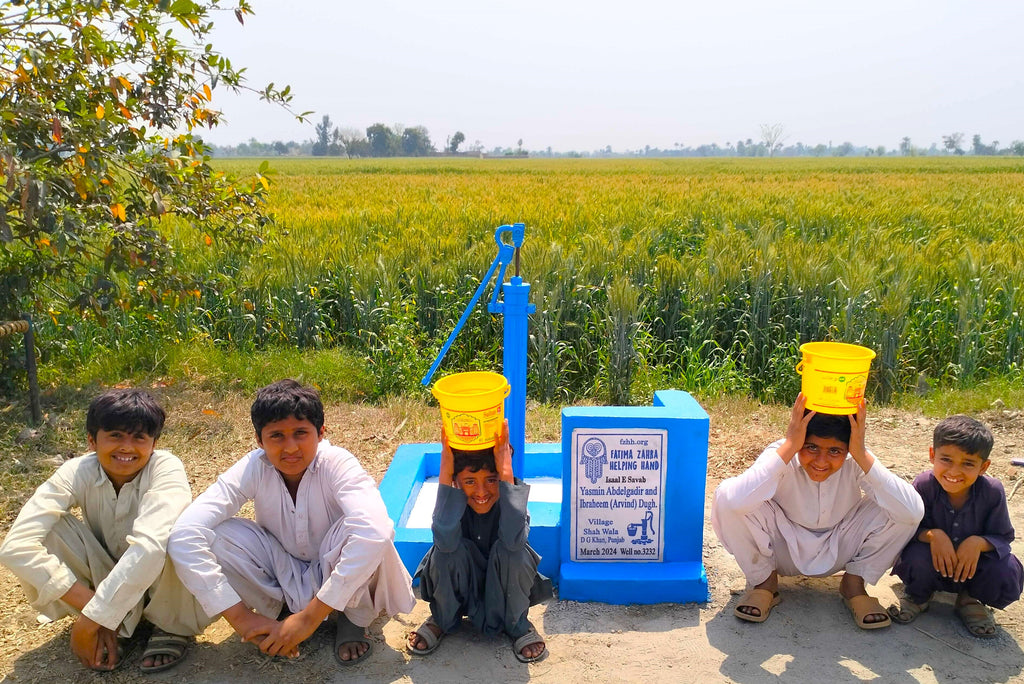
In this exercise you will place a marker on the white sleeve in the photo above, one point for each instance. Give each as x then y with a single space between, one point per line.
192 537
896 496
23 551
367 529
755 485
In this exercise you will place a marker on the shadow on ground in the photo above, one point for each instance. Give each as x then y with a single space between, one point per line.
811 636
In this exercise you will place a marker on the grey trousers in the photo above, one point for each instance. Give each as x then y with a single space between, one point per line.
495 593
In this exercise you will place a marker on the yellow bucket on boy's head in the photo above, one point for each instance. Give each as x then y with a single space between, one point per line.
834 375
472 407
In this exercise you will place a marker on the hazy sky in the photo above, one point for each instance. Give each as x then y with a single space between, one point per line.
581 75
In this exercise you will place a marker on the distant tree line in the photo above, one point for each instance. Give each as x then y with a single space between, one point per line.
380 140
954 144
761 148
255 148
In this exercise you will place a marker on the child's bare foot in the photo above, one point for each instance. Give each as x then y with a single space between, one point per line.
771 585
867 612
418 643
352 650
425 638
533 650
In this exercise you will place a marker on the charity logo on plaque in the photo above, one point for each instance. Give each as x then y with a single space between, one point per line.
618 482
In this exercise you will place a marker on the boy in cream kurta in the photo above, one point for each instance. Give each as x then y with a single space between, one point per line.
813 504
109 569
321 541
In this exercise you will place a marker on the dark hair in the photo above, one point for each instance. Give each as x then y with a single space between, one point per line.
966 433
131 410
827 425
475 460
286 399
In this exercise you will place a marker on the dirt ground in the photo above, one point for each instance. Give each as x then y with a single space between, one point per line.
809 637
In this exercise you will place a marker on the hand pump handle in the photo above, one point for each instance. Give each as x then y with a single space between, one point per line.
505 255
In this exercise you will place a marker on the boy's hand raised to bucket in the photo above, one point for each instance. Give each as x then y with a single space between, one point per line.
796 433
503 455
446 476
858 427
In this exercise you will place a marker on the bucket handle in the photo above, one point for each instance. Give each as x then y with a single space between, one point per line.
800 367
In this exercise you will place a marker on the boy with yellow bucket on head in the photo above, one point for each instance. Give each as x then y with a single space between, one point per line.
815 503
481 565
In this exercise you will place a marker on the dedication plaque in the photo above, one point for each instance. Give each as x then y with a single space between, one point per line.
618 482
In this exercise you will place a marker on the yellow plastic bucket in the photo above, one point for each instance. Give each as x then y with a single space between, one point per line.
834 375
472 407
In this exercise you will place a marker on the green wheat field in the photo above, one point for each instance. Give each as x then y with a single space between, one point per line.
701 274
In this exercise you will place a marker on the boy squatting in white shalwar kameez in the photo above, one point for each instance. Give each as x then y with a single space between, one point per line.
118 548
321 540
805 515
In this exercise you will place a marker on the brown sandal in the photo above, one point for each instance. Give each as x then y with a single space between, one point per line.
761 599
976 617
864 605
906 611
346 632
163 643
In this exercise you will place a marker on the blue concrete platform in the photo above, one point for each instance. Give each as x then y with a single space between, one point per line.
621 583
673 493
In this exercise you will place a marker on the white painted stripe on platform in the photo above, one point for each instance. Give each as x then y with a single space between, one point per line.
542 490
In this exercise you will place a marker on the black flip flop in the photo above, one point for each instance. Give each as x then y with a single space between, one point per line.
165 644
346 632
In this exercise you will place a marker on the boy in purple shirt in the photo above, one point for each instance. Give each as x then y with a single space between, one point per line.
963 543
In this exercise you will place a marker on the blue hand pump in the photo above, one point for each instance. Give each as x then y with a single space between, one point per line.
515 306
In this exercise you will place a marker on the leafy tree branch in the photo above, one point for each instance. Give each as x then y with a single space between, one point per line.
100 104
